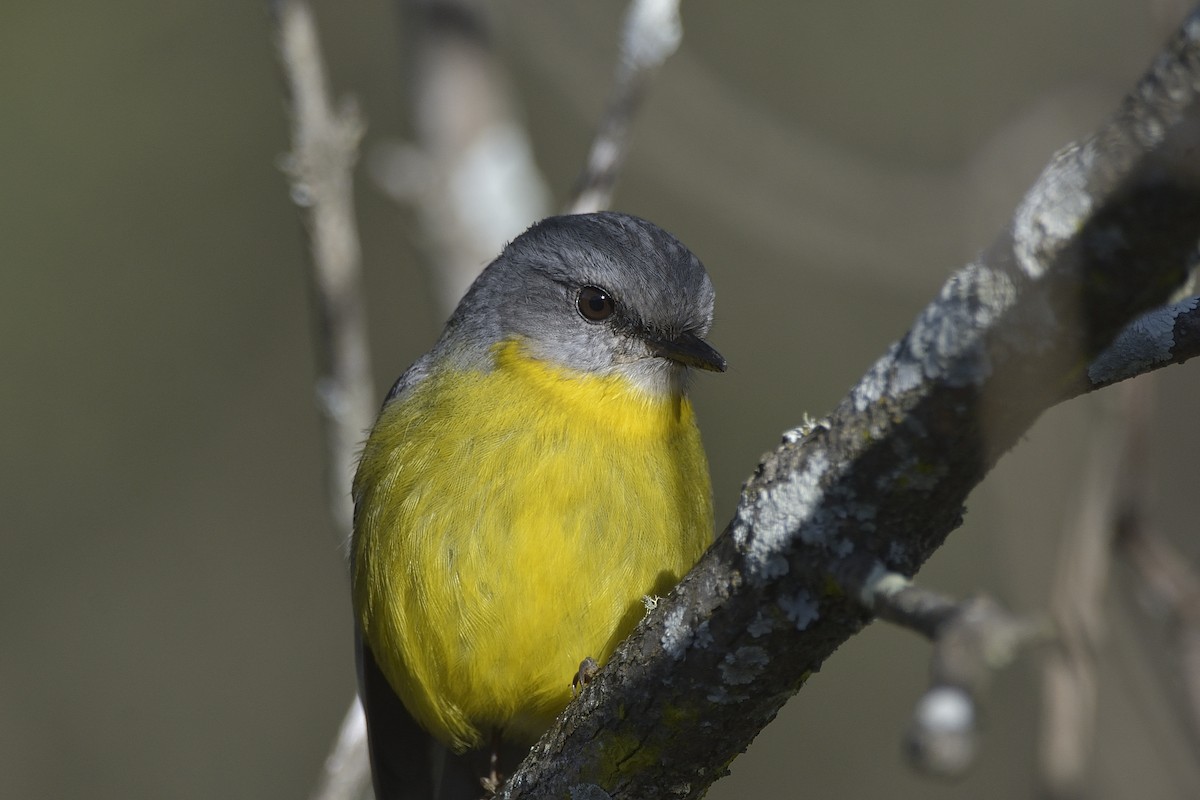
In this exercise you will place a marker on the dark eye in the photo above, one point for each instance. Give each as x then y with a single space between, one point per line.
595 304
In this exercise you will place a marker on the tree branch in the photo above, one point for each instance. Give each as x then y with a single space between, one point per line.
971 639
1105 234
1167 335
470 176
651 33
320 166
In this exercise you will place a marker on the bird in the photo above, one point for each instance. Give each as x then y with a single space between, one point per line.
528 483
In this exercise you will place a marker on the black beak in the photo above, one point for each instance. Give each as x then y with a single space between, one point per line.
687 349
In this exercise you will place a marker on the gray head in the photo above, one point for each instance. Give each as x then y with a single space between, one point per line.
606 293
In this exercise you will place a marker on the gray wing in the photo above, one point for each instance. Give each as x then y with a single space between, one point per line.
403 756
406 762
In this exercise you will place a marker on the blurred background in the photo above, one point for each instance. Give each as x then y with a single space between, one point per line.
174 614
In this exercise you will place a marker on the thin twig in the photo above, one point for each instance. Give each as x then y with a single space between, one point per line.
650 33
971 639
1167 335
320 166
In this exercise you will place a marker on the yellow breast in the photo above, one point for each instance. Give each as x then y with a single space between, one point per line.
509 524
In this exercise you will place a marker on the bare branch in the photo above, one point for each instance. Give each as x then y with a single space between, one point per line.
651 33
471 175
1167 335
971 639
324 150
320 166
1106 234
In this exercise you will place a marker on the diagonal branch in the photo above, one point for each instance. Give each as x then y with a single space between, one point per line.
1158 338
1105 234
650 34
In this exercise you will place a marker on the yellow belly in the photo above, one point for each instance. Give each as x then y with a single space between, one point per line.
508 526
